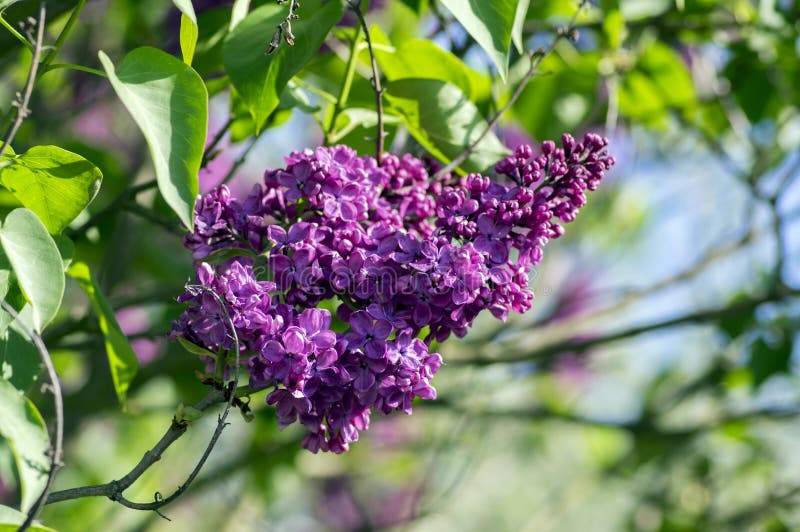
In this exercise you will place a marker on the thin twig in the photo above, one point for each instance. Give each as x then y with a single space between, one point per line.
57 450
113 490
166 223
536 58
376 79
62 37
111 208
573 345
344 90
22 107
209 154
240 161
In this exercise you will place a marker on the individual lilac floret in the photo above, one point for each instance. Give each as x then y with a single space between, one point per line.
406 259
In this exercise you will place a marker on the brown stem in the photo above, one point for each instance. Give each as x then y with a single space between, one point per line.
22 109
57 450
113 490
572 345
376 80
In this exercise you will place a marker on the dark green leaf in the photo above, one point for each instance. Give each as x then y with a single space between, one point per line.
23 427
415 5
168 102
769 357
259 78
490 23
19 359
121 358
441 118
52 182
36 262
66 248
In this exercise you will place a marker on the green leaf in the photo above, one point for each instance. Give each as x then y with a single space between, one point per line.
238 12
169 103
415 5
768 358
23 427
353 117
194 348
10 519
66 248
548 105
188 37
20 363
188 31
36 262
186 8
52 182
5 3
121 358
659 82
404 62
490 23
260 79
441 118
519 25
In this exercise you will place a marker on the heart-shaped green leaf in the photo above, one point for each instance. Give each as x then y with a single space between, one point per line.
54 183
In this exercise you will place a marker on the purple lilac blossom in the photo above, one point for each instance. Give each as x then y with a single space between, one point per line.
405 259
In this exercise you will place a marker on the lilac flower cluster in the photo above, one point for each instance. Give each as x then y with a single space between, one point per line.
400 257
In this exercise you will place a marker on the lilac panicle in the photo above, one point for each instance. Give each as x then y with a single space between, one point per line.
404 258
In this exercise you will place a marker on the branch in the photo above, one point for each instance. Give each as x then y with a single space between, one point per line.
537 57
111 208
228 393
572 345
62 37
242 157
57 450
376 79
22 103
209 154
165 222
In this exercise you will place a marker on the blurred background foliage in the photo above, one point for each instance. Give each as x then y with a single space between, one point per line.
656 385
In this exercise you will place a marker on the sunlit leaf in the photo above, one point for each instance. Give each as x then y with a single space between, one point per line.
52 182
444 121
238 12
490 23
169 103
404 62
519 25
